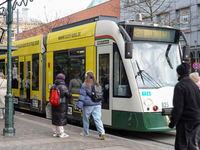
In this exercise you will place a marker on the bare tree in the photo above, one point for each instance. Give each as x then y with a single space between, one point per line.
148 8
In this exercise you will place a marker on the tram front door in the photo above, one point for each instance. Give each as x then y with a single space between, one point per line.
104 73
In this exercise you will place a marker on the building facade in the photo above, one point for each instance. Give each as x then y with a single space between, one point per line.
25 23
106 8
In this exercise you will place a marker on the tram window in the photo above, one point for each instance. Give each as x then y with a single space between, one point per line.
72 65
15 72
78 52
2 66
35 70
61 64
104 79
120 81
21 79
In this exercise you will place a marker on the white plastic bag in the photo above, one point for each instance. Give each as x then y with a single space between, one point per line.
48 111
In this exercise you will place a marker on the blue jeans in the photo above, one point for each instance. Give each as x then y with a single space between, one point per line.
95 111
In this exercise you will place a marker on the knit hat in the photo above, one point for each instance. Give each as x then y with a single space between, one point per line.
183 69
195 77
60 76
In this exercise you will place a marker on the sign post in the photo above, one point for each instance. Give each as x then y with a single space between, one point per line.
196 66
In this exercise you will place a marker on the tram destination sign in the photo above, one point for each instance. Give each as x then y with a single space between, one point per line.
153 34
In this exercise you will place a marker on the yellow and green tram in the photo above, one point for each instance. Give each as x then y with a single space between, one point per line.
135 62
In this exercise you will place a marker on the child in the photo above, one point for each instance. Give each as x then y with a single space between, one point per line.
195 78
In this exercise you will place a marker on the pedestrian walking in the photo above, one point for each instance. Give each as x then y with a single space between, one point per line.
89 107
186 111
59 113
3 90
195 78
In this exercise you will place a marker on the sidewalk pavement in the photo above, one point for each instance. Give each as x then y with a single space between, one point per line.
35 133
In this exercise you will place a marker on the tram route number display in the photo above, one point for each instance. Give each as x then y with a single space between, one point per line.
196 65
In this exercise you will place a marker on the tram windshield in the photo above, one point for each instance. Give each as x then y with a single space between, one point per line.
155 64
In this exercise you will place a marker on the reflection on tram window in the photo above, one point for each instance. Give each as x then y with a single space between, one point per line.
35 70
104 73
2 66
121 85
72 66
15 72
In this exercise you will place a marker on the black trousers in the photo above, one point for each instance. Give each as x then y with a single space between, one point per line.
187 135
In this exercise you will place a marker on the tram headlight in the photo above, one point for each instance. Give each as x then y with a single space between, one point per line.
148 102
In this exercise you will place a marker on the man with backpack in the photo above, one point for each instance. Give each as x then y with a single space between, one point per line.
59 96
90 102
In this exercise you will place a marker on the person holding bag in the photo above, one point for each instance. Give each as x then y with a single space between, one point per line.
59 113
3 90
90 107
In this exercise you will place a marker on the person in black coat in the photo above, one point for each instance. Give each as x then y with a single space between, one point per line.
186 112
59 113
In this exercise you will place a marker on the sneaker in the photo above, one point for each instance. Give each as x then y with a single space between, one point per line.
64 135
81 134
102 136
56 134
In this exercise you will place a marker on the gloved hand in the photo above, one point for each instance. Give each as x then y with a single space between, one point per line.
171 125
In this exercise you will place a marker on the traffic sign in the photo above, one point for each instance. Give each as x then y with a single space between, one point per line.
196 65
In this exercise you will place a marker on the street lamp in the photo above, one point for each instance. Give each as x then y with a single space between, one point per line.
9 129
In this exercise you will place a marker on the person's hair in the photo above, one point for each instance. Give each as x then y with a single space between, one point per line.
2 75
88 81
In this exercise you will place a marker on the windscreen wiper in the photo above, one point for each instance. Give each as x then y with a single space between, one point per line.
147 77
139 73
167 57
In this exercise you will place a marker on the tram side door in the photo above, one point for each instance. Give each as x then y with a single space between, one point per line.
25 77
28 77
104 74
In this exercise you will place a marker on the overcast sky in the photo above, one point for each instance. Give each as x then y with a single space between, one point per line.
62 8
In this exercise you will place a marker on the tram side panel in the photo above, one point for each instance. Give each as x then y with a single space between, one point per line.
70 51
27 87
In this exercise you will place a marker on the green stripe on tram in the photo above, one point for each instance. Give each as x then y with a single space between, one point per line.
136 121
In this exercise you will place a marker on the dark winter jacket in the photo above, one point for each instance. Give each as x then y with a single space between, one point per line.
59 113
84 99
186 102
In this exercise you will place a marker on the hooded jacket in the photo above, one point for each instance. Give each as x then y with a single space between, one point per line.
186 102
84 99
195 78
59 113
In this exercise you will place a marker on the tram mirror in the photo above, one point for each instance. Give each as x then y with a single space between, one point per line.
186 53
128 50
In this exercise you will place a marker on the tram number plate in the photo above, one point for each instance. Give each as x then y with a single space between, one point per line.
35 103
165 104
15 100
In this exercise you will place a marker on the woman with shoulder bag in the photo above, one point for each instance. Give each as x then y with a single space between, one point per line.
89 107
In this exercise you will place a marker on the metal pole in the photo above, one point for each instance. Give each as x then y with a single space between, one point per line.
17 24
9 129
195 53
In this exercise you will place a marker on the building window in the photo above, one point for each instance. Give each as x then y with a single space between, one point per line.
164 19
12 34
184 19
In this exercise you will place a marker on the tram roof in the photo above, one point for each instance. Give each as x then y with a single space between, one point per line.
3 49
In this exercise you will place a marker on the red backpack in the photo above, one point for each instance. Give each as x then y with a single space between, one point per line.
55 96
